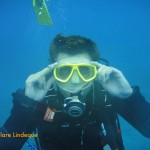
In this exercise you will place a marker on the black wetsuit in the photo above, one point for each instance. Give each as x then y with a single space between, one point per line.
97 127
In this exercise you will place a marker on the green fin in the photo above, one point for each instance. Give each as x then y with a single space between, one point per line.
42 13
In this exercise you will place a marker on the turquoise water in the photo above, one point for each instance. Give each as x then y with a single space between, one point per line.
121 28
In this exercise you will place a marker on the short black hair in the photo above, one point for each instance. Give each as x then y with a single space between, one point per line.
72 45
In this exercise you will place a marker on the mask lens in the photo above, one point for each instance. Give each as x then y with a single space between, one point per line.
63 72
87 72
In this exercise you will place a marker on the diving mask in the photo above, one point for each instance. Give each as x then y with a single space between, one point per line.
63 72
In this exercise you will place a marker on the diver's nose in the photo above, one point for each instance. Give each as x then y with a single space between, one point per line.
75 79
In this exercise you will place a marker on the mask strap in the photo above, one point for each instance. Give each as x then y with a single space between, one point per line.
105 61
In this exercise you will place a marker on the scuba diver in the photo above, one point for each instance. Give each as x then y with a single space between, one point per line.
73 104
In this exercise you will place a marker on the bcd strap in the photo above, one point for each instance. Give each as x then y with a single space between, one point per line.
110 122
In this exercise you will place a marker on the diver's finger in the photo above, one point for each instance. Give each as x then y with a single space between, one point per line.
97 64
52 66
43 75
48 71
108 73
49 83
102 73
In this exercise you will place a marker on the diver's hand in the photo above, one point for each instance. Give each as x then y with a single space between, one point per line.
113 81
38 84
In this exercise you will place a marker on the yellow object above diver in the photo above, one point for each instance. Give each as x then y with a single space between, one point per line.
42 13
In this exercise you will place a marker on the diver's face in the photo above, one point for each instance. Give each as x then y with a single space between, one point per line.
75 83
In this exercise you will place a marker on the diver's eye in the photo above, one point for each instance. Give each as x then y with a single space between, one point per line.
63 72
86 71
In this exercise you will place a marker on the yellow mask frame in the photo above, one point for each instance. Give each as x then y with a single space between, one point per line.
73 68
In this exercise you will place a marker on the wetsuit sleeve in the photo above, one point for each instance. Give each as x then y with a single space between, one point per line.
24 118
136 110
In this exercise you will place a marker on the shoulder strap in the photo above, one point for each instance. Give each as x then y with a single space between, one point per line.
110 125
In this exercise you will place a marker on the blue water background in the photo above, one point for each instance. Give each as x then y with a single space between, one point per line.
121 28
